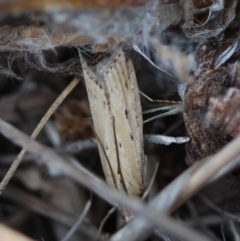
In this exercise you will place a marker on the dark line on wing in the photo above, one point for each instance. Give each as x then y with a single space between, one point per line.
118 160
105 154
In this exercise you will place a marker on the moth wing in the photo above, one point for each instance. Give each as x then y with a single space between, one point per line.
135 117
116 75
102 121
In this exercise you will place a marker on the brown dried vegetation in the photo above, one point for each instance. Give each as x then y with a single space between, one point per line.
57 186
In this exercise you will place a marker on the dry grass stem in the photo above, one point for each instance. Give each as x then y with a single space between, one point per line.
79 221
59 166
183 188
233 217
37 130
183 53
43 208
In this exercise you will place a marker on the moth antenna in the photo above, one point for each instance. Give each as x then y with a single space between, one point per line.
172 108
109 213
160 101
151 182
170 112
79 221
82 51
162 108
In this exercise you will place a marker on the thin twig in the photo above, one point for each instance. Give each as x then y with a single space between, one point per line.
37 130
235 233
225 214
57 165
222 231
147 191
201 226
208 220
79 221
183 188
39 206
109 213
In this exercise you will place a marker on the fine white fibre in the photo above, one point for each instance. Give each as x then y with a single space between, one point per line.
78 28
166 140
35 39
182 90
227 54
9 73
69 27
138 23
217 13
24 39
38 61
143 52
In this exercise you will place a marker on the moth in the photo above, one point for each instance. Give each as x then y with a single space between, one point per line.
117 119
